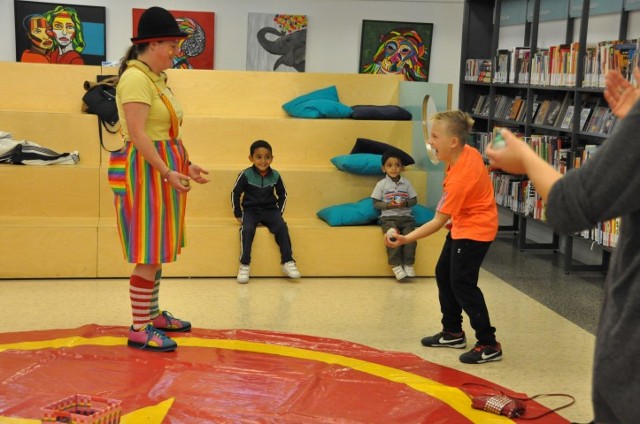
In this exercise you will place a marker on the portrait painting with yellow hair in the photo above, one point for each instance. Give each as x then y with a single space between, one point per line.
60 33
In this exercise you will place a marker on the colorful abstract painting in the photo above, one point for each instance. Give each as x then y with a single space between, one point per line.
195 51
276 42
396 48
59 33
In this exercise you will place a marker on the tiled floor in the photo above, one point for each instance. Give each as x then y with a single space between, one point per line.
545 319
576 296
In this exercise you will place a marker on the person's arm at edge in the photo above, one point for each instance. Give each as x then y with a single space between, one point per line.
518 158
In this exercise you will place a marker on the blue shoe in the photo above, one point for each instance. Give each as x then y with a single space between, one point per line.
150 338
167 322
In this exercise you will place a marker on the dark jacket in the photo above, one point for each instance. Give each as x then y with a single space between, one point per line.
258 192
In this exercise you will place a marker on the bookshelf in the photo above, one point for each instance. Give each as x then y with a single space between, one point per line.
571 101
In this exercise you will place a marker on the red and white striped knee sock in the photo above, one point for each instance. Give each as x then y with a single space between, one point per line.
140 293
155 296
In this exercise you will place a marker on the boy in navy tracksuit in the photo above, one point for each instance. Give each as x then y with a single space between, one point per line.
259 197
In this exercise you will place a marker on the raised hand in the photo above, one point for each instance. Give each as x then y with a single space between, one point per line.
619 92
511 157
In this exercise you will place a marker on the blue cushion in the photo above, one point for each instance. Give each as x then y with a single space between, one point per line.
359 163
422 214
323 103
359 213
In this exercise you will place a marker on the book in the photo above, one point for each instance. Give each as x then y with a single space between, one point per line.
520 65
566 121
554 110
485 71
503 104
484 111
542 113
515 108
596 119
608 122
507 110
476 102
483 100
585 113
534 110
522 111
563 109
503 66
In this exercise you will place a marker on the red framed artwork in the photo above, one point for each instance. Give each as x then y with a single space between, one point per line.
197 50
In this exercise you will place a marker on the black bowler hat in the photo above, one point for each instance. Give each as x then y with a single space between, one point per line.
157 24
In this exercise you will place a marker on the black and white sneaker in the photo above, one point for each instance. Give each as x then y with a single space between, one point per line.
481 354
445 339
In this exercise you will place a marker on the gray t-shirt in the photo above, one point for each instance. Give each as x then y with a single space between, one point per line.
389 191
605 187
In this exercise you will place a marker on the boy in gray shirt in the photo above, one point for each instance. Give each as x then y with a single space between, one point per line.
393 196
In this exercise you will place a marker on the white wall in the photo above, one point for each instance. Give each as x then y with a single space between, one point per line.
333 38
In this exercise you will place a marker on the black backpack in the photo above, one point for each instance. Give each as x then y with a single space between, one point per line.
100 100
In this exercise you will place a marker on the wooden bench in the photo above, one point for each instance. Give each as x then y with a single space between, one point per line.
58 220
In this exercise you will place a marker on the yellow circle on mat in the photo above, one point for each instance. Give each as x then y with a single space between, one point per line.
452 396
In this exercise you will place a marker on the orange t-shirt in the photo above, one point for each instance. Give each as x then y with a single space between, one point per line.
468 197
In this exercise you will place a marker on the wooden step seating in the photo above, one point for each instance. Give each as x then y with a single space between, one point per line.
62 217
49 214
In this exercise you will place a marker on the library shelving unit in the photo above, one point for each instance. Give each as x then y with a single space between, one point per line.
480 40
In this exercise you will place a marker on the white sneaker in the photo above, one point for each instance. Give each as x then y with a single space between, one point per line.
243 274
408 269
291 269
399 272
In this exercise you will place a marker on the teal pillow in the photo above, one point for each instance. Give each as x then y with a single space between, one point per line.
422 214
323 103
359 163
359 213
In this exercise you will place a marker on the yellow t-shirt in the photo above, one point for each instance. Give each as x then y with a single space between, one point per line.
135 86
468 197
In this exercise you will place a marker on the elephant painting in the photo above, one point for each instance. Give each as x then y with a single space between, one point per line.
290 47
277 42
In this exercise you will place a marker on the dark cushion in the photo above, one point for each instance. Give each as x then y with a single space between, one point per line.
323 103
364 145
388 112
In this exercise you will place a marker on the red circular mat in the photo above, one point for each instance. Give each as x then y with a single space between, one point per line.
235 376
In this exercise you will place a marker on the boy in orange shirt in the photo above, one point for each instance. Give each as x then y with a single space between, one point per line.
468 204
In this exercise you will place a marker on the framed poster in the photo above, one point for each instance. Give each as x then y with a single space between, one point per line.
59 33
276 42
195 51
389 47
